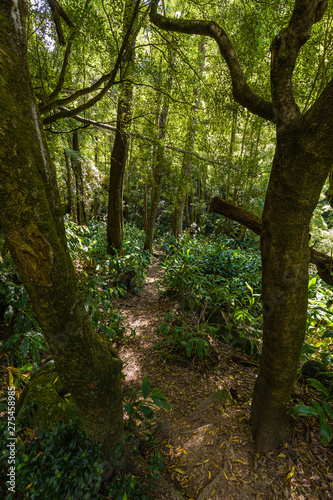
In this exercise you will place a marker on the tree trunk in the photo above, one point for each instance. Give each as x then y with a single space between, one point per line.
31 218
118 163
122 138
77 168
304 156
159 169
178 214
290 201
145 207
157 184
70 193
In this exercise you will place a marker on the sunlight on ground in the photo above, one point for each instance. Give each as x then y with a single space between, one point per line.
150 280
132 370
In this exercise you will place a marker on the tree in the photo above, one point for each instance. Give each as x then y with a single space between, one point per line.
303 159
178 213
77 169
159 159
122 137
32 220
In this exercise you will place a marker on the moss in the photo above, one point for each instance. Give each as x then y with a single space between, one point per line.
35 253
46 402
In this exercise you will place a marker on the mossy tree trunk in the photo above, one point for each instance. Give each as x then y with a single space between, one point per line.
302 162
32 220
298 174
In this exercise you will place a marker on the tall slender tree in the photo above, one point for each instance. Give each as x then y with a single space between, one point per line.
122 137
178 213
159 158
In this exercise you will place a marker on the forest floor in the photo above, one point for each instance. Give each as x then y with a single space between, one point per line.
206 439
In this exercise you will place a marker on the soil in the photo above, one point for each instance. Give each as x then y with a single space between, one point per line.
206 438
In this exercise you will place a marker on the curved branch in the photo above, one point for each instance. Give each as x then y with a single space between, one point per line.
65 62
323 262
241 91
79 93
57 12
101 94
284 52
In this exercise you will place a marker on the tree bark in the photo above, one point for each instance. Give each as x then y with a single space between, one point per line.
158 173
70 194
31 218
77 169
285 259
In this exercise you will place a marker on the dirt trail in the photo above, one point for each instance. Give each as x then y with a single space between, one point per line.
205 438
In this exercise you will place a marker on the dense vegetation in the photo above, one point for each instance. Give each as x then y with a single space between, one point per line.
145 122
203 275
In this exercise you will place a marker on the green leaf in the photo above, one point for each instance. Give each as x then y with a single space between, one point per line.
9 314
12 339
304 410
147 412
328 409
189 347
312 283
325 431
129 408
199 350
162 403
327 334
308 349
319 386
34 351
145 387
25 347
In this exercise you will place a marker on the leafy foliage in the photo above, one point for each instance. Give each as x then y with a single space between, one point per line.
321 410
184 337
212 274
16 309
99 273
66 464
141 403
60 464
319 332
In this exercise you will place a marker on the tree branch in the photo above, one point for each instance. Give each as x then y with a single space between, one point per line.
111 128
61 80
101 94
323 262
241 91
284 51
57 12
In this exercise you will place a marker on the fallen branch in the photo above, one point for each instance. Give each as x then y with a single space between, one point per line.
323 262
